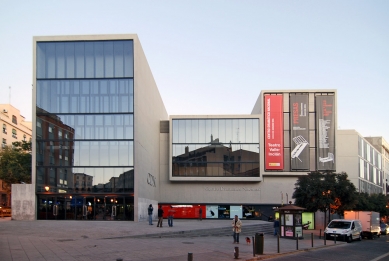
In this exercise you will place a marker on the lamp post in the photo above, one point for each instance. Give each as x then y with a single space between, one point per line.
47 188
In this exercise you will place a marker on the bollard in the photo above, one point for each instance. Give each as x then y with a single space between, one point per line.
253 247
335 239
297 242
190 256
278 243
312 239
325 238
320 234
236 252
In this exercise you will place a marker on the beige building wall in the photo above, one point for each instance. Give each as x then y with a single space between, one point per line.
347 156
149 111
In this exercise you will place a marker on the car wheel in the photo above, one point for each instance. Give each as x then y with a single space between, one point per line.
349 239
360 237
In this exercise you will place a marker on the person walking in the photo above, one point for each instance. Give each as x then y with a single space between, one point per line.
276 226
237 228
200 214
150 212
160 216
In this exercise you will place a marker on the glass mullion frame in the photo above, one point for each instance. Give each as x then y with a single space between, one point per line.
215 129
188 131
222 131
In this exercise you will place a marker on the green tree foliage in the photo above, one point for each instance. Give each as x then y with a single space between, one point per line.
373 202
324 191
15 163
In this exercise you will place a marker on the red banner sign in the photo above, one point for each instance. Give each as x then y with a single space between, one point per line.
274 132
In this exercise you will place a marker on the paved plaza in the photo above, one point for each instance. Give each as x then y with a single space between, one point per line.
118 240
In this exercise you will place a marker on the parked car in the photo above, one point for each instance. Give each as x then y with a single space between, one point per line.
343 229
384 229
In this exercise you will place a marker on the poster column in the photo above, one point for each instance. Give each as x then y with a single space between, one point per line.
299 127
274 132
325 129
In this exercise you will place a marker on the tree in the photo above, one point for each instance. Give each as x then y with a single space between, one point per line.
324 191
373 202
15 163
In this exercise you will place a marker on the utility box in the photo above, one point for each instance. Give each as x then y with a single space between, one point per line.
259 242
370 222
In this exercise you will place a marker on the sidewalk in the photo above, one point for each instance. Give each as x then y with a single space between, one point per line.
110 240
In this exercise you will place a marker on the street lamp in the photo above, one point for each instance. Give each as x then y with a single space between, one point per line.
47 188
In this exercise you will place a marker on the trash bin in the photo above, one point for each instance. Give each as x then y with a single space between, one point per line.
259 243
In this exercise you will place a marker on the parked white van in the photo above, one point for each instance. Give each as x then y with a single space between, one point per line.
343 229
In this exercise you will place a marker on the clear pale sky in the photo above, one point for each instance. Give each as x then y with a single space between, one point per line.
215 57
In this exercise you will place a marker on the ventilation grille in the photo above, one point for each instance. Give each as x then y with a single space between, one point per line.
164 127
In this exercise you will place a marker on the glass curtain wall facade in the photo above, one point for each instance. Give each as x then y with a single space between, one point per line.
84 130
215 147
370 168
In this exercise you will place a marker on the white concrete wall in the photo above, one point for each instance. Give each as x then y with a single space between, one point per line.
23 202
149 110
347 155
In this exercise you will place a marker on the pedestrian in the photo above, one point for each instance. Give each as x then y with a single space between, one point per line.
276 226
237 228
170 217
160 216
200 214
150 212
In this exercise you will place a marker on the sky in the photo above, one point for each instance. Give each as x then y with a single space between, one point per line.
215 57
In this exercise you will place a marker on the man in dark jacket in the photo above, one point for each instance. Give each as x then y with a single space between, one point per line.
150 213
276 226
160 216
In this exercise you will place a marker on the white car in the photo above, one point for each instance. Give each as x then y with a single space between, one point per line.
342 229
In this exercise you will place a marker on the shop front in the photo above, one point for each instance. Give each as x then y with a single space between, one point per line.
113 207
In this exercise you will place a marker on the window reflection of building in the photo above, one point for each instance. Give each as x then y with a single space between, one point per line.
234 153
82 182
54 152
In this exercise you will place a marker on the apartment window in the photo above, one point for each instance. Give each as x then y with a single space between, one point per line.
4 143
50 129
24 137
4 128
38 124
60 133
14 134
14 119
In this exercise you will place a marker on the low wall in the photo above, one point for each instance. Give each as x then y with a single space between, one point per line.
23 202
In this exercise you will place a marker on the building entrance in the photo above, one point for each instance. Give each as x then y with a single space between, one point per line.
85 207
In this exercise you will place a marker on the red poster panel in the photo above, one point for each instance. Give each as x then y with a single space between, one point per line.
274 132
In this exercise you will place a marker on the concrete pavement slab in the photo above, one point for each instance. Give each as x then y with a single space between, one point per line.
114 240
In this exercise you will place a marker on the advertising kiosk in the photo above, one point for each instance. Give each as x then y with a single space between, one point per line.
290 218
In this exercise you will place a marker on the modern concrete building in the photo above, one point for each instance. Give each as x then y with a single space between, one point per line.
106 147
380 144
14 128
361 161
97 113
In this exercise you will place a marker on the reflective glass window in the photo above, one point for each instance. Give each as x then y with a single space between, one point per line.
84 59
85 96
207 147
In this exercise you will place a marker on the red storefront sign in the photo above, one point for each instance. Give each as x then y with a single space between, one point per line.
274 132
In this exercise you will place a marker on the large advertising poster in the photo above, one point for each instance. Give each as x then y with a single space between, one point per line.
274 136
325 129
299 127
